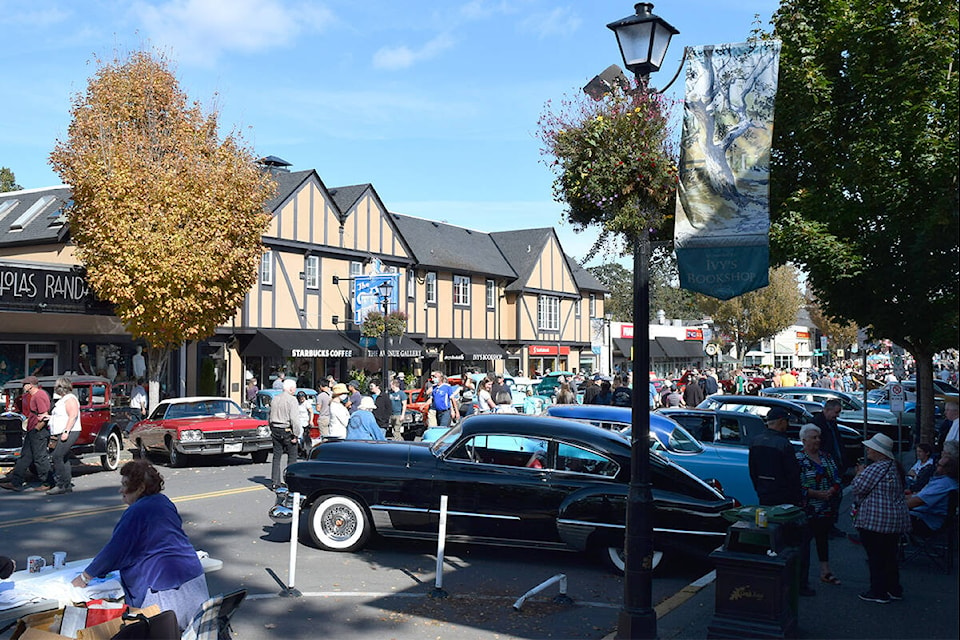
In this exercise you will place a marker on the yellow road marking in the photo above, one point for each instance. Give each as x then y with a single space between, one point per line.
120 507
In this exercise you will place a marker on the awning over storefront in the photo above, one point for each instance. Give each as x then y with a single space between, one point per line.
402 347
681 349
473 350
300 343
624 346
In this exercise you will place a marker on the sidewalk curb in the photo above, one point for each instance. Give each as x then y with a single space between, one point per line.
677 599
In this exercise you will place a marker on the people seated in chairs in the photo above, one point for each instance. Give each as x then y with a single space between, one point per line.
922 470
928 508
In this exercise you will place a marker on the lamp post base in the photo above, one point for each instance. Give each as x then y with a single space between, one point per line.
637 624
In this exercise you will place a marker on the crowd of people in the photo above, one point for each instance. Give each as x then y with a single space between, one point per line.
889 502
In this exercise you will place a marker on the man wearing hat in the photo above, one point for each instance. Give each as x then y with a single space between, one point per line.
775 473
362 425
34 403
773 464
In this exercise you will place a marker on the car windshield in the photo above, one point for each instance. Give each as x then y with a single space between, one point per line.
203 408
443 442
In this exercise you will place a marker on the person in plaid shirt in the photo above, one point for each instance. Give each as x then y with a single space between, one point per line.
881 517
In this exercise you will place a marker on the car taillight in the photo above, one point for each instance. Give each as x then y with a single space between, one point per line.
713 482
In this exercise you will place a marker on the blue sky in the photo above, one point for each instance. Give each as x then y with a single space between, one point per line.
434 102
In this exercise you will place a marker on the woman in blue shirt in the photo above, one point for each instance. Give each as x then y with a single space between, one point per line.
156 561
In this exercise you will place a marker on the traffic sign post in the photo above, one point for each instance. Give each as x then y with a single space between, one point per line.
898 398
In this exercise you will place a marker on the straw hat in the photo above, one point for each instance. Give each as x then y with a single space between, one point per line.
367 403
339 389
881 444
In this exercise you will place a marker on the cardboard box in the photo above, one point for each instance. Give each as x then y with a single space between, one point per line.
46 626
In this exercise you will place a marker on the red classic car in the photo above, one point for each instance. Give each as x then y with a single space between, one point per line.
179 428
100 431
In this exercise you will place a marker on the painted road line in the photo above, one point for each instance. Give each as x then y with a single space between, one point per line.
684 594
120 507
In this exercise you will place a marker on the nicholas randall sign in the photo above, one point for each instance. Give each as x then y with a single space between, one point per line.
41 289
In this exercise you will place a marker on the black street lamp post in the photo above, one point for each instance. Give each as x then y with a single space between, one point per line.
385 290
643 40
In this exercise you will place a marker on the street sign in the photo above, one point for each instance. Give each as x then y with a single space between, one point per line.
711 349
897 398
899 369
366 296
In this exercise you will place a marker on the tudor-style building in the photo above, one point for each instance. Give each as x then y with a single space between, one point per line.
506 301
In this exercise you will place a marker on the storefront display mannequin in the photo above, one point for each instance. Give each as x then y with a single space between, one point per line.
139 363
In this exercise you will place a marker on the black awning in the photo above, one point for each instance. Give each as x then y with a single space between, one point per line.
625 345
473 350
402 347
681 348
300 343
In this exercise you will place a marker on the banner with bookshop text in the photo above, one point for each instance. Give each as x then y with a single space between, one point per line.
723 199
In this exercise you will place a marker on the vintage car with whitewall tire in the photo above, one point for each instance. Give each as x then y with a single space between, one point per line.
181 428
101 433
510 480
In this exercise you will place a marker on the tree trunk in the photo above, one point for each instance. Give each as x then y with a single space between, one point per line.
157 361
924 394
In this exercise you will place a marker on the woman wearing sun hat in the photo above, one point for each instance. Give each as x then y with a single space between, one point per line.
339 414
881 517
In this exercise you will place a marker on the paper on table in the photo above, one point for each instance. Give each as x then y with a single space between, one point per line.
11 597
58 586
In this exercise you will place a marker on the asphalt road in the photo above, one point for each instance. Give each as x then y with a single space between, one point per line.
380 592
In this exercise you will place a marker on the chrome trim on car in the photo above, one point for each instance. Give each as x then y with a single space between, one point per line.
386 507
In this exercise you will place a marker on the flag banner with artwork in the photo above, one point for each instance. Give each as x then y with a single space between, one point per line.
723 198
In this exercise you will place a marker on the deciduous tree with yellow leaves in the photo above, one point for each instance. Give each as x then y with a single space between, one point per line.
167 216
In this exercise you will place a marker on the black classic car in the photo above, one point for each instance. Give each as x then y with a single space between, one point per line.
510 480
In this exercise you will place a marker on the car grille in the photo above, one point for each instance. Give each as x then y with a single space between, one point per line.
11 432
230 435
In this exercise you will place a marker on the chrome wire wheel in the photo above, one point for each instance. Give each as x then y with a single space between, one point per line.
339 523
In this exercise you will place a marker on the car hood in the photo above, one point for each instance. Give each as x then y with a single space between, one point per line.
387 452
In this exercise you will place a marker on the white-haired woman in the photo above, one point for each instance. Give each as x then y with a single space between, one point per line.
820 483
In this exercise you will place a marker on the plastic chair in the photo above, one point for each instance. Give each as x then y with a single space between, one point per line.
940 546
212 621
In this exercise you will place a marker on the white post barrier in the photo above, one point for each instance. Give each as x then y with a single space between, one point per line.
294 534
561 598
438 591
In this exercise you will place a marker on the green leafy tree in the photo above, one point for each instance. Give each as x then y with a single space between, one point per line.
8 181
167 216
758 314
619 281
864 182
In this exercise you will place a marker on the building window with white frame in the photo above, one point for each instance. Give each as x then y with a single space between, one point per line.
593 305
266 268
461 291
431 287
311 272
548 313
356 269
411 282
578 307
491 294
